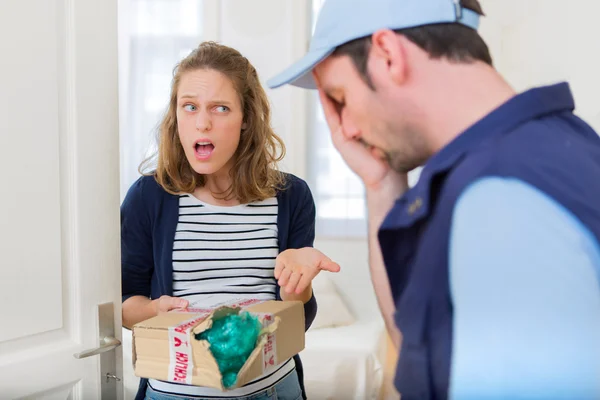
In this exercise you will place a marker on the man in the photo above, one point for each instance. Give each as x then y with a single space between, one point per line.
493 258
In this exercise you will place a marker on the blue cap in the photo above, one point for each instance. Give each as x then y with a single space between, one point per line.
341 21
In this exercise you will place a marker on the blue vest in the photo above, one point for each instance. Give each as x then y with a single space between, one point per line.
534 137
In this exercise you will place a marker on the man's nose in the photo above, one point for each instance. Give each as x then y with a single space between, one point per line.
349 128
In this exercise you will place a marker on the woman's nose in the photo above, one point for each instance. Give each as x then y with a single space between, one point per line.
203 122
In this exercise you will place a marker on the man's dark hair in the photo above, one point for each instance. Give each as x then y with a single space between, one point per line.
453 41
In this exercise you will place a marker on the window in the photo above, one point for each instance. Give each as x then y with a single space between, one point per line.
338 192
153 36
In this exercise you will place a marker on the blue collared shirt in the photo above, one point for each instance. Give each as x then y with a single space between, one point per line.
510 238
503 224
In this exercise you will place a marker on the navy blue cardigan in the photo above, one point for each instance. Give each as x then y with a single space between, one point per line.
149 218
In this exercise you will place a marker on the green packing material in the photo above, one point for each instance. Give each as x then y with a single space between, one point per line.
232 339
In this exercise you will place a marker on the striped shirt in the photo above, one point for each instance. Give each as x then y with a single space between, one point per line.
222 254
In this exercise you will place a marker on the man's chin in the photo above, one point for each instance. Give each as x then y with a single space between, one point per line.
403 166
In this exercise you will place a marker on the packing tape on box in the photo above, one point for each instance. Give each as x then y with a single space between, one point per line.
237 303
180 350
194 308
269 354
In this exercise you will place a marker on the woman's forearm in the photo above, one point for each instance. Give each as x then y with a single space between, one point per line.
137 309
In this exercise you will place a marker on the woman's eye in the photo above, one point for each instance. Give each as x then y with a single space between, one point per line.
189 107
222 109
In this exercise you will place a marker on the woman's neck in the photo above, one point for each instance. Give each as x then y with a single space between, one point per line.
216 190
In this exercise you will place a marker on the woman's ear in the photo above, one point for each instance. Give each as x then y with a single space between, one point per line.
244 125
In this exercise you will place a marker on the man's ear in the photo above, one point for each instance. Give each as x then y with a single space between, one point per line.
387 57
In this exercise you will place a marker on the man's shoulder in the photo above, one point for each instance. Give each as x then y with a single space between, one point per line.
535 152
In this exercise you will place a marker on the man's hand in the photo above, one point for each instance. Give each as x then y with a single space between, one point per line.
367 162
296 268
383 186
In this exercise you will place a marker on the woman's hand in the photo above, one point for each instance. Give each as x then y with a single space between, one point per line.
140 308
167 303
296 268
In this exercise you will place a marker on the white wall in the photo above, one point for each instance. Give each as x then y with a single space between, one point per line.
537 42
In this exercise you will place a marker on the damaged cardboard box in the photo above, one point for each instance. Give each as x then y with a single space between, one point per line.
165 347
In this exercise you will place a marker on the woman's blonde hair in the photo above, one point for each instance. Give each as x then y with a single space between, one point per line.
254 175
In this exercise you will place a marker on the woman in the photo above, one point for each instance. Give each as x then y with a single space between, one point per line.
216 221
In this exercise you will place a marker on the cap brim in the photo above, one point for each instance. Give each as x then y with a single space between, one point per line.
299 74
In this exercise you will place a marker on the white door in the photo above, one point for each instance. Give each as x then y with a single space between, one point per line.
59 199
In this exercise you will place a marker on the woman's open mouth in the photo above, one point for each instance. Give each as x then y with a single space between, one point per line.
203 149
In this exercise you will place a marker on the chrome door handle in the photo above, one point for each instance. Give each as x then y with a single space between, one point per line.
110 385
108 343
